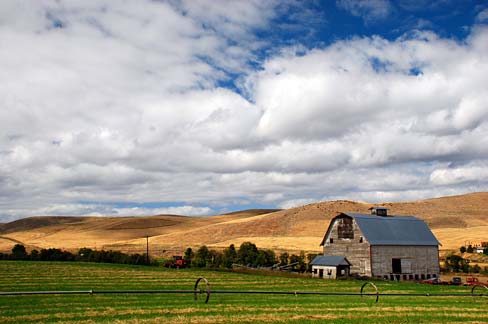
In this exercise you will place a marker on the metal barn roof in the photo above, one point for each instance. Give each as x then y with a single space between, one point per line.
393 230
329 260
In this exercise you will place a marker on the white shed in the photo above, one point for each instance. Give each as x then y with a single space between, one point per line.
330 267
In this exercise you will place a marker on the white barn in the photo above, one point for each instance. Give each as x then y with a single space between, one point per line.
383 246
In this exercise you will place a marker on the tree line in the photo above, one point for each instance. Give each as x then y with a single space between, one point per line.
249 255
84 255
471 249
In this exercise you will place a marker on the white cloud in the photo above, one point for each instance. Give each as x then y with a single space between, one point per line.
470 173
377 114
107 210
105 102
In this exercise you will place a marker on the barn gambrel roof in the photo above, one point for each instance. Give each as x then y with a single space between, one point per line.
390 230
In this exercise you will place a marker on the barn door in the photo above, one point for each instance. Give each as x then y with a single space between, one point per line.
396 265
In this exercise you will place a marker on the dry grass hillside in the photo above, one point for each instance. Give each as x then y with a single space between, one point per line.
454 220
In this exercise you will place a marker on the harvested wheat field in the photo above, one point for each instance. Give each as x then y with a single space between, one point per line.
454 220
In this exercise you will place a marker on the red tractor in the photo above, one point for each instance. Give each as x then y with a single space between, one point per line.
176 263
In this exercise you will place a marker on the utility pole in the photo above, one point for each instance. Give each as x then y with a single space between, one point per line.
147 249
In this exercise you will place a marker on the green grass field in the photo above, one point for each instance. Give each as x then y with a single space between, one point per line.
222 308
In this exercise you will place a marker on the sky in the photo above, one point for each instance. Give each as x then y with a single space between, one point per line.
114 107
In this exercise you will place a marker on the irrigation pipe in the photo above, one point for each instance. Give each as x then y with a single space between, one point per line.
205 289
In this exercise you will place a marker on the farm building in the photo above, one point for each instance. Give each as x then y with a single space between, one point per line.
383 246
330 267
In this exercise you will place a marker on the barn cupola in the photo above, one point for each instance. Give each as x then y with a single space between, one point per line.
379 211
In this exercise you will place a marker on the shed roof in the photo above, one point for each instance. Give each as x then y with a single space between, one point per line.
391 230
330 260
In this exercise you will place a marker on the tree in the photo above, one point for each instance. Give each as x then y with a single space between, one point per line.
265 258
310 257
189 255
284 259
85 254
470 249
55 255
34 255
229 256
462 249
215 259
19 252
455 263
202 257
247 253
270 257
298 261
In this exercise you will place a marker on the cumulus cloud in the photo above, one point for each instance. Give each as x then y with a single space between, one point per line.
107 102
476 172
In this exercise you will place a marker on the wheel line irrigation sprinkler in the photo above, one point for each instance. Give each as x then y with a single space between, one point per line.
202 287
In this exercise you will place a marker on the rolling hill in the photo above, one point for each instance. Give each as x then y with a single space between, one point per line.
454 220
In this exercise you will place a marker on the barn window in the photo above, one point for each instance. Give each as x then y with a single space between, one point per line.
344 229
331 241
360 239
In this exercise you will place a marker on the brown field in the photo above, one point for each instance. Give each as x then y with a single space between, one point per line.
454 220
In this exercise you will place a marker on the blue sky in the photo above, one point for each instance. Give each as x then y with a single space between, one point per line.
202 107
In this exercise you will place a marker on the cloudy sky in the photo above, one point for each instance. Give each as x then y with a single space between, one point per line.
201 107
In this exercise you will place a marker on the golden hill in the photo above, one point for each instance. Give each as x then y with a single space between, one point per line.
454 220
